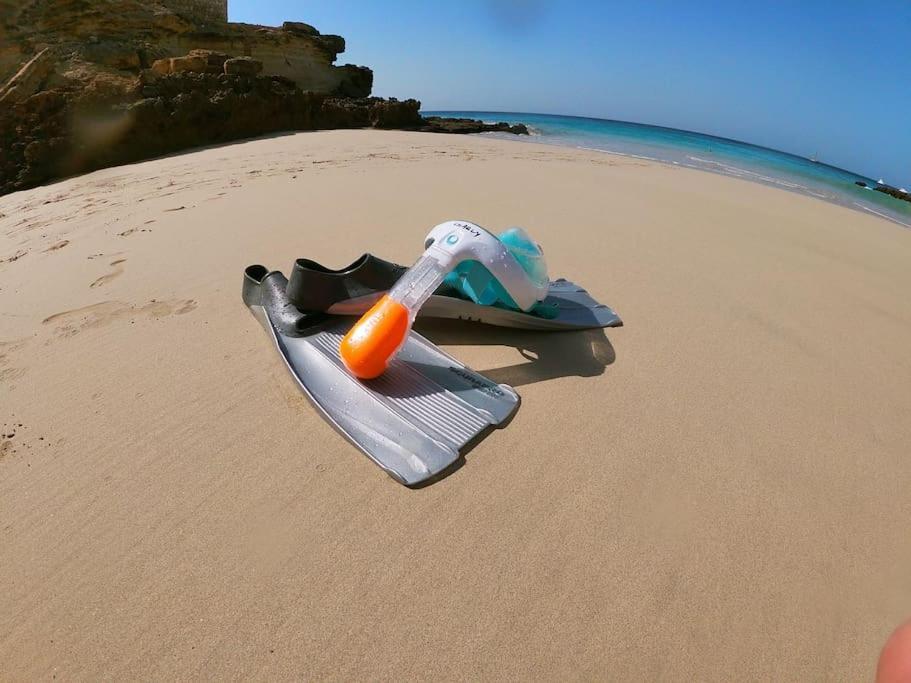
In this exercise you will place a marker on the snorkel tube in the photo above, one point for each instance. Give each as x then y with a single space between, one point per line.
378 336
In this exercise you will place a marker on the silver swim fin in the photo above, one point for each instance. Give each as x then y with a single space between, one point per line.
415 421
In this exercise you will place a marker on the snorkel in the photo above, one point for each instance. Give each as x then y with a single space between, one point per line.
378 336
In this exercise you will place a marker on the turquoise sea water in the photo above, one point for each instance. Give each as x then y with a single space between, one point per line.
705 152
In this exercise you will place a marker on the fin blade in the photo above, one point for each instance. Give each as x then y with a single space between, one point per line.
416 419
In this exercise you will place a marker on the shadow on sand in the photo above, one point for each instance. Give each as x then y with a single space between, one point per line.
549 355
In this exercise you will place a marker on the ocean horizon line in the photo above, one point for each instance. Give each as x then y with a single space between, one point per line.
432 112
706 152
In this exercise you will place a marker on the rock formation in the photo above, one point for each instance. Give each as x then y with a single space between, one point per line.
51 135
92 83
896 192
437 124
115 38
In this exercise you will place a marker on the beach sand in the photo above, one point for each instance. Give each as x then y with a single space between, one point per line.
719 490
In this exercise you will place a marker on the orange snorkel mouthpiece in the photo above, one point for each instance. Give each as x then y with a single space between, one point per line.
373 341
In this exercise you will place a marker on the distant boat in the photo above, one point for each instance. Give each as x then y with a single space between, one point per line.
815 158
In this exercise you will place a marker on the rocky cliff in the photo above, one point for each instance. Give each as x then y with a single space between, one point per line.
113 39
200 11
92 83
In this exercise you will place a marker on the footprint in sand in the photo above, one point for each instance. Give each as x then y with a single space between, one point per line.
104 279
70 323
132 231
60 245
8 374
15 257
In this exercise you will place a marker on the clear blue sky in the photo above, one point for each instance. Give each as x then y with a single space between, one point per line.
831 77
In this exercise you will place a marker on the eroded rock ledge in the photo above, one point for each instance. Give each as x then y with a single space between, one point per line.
56 133
437 124
84 85
896 192
68 130
105 43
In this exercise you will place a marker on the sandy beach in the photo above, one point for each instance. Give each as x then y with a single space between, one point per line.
719 490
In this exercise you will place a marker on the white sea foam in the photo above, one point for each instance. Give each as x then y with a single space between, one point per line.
746 173
882 215
622 154
712 166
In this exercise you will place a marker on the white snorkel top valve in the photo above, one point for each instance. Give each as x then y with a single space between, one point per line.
380 333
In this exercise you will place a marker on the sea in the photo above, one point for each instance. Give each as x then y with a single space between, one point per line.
799 174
